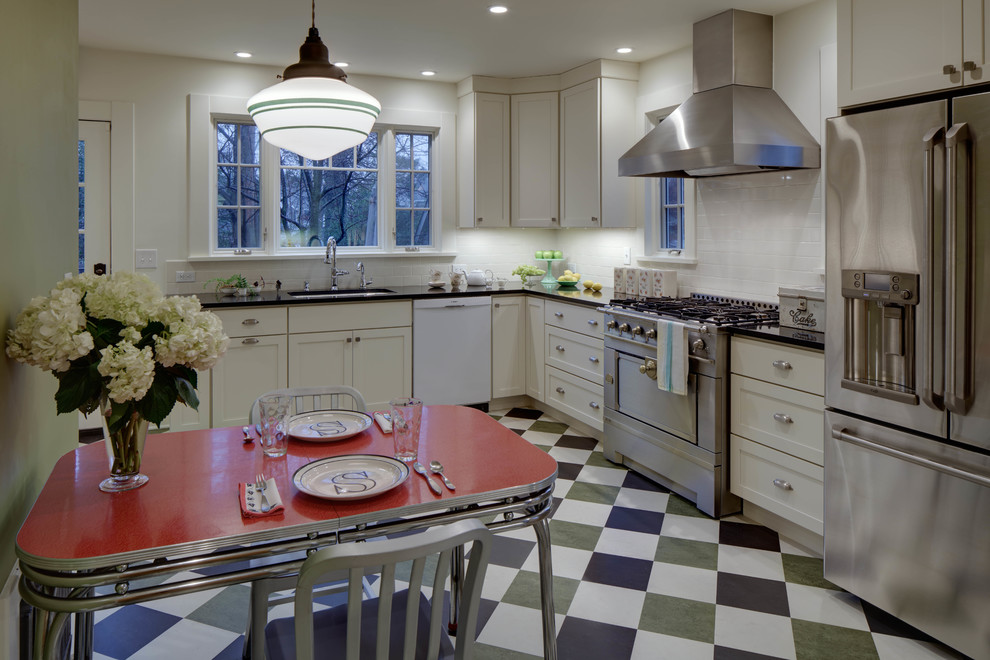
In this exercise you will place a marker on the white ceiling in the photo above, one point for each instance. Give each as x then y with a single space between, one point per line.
456 38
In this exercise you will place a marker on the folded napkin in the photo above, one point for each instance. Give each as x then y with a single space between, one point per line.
672 357
250 497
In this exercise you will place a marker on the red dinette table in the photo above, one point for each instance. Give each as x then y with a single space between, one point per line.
82 550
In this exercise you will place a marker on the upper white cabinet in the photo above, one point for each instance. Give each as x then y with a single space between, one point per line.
483 160
597 120
534 148
895 48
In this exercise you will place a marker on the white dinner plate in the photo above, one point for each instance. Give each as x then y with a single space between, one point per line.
350 477
327 425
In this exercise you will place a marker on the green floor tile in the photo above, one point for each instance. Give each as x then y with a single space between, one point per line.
548 427
698 554
588 492
216 611
820 641
807 571
597 459
525 592
680 506
574 535
486 652
679 617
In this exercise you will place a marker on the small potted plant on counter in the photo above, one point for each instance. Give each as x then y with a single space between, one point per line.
228 286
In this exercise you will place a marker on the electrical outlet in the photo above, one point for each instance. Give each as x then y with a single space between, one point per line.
185 276
146 258
627 256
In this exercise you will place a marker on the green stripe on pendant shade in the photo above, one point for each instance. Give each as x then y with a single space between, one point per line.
316 103
253 113
326 128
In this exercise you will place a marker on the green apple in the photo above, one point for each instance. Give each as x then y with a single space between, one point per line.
539 254
557 254
548 254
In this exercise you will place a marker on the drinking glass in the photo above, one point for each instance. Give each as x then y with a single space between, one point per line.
273 409
406 416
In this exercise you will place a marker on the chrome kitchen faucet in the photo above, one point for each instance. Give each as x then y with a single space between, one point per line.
331 258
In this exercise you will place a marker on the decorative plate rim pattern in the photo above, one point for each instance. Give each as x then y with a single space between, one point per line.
330 434
355 477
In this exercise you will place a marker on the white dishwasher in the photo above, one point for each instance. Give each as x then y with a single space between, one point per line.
452 350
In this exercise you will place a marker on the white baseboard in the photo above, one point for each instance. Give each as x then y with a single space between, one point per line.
10 600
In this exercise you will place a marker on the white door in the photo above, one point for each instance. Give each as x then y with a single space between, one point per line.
94 195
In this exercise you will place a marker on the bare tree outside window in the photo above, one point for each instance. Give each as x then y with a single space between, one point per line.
335 197
238 185
413 156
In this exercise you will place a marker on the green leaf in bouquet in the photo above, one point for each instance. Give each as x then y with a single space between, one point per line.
187 393
105 332
78 387
160 398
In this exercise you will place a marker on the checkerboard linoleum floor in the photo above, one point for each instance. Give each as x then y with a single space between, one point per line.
639 573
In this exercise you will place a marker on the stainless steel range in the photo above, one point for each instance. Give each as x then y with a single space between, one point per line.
679 441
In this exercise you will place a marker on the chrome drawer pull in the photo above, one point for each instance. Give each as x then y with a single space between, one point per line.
782 484
783 365
593 359
559 348
560 390
784 419
249 322
592 322
249 340
559 315
593 404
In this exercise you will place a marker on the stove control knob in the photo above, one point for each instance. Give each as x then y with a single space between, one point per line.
611 325
651 333
624 327
698 345
703 330
637 330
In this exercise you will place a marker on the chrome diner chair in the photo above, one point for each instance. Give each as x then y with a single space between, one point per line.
408 623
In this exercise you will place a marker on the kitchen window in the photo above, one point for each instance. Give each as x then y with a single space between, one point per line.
670 214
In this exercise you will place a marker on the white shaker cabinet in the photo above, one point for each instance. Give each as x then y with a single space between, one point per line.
574 358
255 362
508 346
535 347
483 160
597 125
365 345
895 48
534 149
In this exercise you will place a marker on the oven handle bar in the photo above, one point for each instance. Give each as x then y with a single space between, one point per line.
842 435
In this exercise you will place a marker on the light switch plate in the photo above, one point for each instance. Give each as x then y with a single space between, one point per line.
627 256
146 258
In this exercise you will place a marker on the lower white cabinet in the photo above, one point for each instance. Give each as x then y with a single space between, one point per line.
535 345
508 346
251 367
576 396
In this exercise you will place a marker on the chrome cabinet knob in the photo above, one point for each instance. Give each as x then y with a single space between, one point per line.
593 404
559 348
250 340
592 322
783 484
782 418
949 69
783 365
559 315
560 390
593 359
250 322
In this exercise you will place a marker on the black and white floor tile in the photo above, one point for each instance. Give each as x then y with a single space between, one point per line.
639 574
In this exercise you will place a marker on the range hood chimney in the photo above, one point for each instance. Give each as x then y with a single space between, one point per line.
734 123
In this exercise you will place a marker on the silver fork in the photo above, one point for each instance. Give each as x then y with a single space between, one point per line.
260 482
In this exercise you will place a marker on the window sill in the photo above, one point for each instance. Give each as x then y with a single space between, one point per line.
667 259
260 256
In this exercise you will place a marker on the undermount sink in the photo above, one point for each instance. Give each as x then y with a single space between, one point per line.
339 293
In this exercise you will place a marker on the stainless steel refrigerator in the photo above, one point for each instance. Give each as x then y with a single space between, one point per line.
907 438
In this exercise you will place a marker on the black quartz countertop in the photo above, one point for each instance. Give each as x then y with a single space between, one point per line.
792 336
577 295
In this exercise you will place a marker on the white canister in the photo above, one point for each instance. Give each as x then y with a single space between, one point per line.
664 283
645 283
619 280
632 282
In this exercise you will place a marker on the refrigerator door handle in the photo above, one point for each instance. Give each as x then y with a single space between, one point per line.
932 387
843 435
958 270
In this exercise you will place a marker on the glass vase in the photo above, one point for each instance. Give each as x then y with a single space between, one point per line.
124 450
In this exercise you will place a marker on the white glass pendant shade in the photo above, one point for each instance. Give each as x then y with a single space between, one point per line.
314 117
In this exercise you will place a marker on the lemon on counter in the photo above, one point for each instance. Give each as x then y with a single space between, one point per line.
597 286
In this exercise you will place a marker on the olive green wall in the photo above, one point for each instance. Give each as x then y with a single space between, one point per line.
38 235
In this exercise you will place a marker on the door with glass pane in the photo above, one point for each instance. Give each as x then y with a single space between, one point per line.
94 195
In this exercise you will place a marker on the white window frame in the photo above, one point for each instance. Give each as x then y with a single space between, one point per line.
205 110
653 213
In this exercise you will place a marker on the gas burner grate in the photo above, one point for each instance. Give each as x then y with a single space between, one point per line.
703 308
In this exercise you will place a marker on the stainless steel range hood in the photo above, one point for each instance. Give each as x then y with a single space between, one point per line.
734 123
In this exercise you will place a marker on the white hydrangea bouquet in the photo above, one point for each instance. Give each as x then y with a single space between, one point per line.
116 344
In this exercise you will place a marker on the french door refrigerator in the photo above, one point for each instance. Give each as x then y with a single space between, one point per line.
907 456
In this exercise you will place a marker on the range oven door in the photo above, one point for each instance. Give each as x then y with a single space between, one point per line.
632 391
906 528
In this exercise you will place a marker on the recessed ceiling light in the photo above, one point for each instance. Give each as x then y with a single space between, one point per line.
498 9
342 65
242 53
623 50
428 73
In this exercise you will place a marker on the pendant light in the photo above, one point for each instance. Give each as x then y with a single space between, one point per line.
313 111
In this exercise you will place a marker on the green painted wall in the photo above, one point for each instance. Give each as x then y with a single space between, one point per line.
38 235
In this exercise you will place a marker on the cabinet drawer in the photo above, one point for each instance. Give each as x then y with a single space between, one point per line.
349 316
253 321
778 482
778 363
575 396
779 417
576 318
579 354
